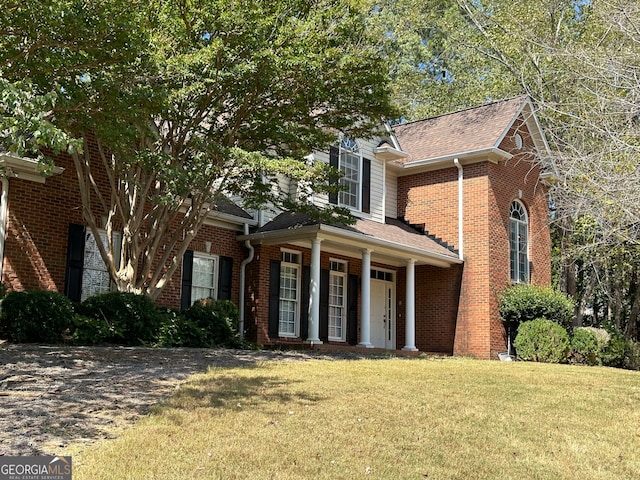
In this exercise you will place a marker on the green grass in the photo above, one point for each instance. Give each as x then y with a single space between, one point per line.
385 418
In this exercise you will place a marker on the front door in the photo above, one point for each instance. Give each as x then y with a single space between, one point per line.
383 319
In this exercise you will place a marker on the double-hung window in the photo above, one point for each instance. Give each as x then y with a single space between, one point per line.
350 164
289 310
95 275
519 242
205 277
337 300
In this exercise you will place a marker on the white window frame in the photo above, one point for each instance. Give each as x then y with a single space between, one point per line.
338 269
518 250
94 267
287 265
350 149
195 287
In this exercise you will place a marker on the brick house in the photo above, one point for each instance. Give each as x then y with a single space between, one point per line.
449 211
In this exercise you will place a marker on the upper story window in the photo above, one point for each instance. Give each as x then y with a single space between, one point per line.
350 166
356 176
519 242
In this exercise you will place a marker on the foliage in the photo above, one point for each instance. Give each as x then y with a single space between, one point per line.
119 318
229 99
179 331
614 353
217 319
584 347
542 340
36 316
522 303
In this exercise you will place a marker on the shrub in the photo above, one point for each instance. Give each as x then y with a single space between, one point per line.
632 356
178 331
584 347
542 340
36 316
523 303
120 318
614 352
218 319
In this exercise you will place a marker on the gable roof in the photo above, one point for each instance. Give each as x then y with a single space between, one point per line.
469 132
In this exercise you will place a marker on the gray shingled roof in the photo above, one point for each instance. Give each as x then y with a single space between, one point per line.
226 206
468 130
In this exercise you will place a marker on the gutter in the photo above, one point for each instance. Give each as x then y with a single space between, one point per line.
4 199
243 278
447 158
456 162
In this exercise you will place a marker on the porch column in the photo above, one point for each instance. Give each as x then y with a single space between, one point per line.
313 332
365 327
410 312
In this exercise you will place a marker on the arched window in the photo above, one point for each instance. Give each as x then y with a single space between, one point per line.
519 242
350 165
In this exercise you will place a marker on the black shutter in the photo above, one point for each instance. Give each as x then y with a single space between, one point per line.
334 156
187 278
352 316
75 262
304 302
366 185
225 278
324 305
274 298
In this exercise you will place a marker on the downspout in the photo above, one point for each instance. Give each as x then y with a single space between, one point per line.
456 162
243 276
4 200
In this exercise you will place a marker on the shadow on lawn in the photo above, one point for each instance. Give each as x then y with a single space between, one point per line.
227 391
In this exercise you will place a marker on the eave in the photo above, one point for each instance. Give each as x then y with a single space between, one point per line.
14 166
340 241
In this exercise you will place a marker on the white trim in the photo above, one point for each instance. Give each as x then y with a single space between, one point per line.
215 271
24 168
343 319
298 299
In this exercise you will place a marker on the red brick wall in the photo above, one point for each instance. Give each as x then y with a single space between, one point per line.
432 198
37 227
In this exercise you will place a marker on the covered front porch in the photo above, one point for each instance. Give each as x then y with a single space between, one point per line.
348 279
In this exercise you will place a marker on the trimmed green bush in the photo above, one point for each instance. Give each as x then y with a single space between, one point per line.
36 316
178 331
120 318
584 347
542 340
632 356
218 319
614 352
523 303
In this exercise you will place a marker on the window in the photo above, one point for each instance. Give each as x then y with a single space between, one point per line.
204 281
519 243
337 300
350 166
289 311
95 275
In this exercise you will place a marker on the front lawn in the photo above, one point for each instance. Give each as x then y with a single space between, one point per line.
385 418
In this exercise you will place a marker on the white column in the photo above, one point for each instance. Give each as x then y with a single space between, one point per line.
410 312
365 308
313 332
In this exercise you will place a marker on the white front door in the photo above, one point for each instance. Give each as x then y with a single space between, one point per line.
383 319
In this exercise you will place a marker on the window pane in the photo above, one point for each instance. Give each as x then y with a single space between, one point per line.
337 309
203 284
288 299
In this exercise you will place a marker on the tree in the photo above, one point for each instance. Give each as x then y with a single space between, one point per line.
203 100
